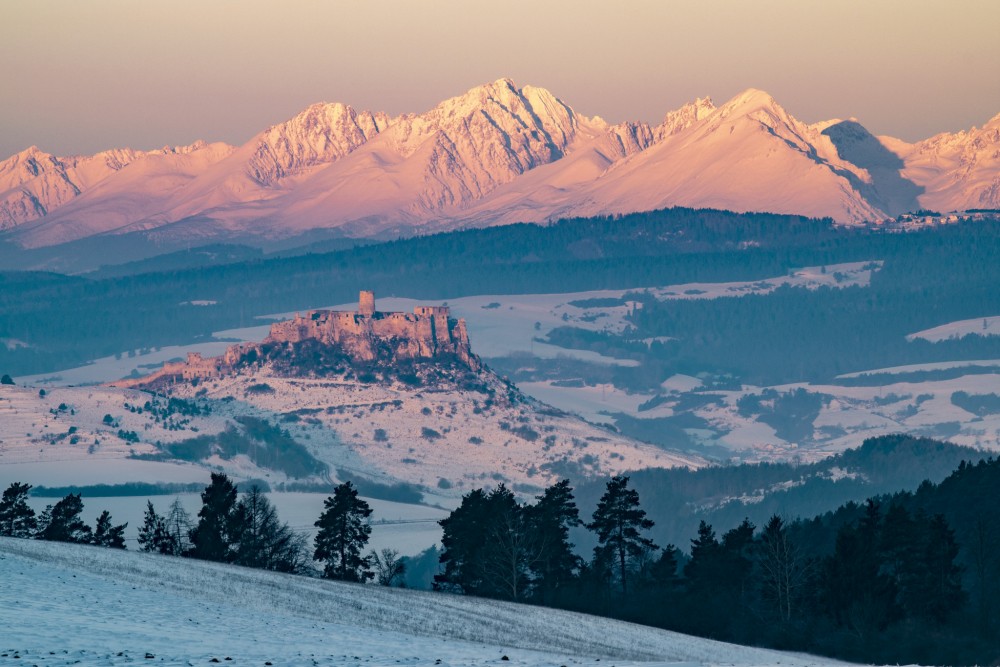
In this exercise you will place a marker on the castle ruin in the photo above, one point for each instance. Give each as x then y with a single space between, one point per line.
426 333
366 334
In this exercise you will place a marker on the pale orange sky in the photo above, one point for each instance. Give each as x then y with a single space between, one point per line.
81 76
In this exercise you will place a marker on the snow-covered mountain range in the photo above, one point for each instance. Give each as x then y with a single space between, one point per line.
496 154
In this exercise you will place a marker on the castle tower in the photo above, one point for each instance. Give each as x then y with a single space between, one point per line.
366 303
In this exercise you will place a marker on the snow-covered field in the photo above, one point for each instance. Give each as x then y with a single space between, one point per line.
443 438
980 326
505 324
141 362
68 604
426 435
935 366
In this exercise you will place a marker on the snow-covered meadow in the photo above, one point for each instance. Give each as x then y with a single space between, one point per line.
980 326
69 604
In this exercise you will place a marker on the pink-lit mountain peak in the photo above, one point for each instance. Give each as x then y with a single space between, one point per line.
495 153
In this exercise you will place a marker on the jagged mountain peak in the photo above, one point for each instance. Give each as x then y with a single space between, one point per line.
321 133
527 106
25 164
468 145
680 119
757 105
30 151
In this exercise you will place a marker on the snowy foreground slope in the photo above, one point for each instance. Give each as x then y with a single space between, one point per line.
67 604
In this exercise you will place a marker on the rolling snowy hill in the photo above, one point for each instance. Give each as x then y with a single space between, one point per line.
495 154
68 604
445 435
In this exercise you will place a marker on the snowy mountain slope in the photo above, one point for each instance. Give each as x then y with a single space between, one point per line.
133 195
493 155
442 160
554 190
67 424
956 170
179 612
437 432
244 185
979 326
34 183
444 432
747 155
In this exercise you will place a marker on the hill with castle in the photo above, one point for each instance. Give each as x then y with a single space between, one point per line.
360 338
389 397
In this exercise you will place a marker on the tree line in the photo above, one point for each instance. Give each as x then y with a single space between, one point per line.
57 523
885 581
229 528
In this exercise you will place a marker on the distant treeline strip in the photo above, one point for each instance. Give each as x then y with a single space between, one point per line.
118 490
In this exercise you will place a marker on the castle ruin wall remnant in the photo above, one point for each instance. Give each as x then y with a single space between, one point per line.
366 303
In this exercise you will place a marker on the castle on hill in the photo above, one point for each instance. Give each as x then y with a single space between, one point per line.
426 333
365 334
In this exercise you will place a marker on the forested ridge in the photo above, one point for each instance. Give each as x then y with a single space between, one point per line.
66 320
902 578
724 495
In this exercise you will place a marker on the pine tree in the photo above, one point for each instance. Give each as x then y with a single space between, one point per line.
17 519
344 528
213 538
899 552
509 547
108 535
664 571
153 535
705 571
859 595
551 518
704 549
462 539
738 548
62 522
262 541
940 591
617 522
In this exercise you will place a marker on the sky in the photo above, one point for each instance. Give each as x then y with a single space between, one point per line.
79 77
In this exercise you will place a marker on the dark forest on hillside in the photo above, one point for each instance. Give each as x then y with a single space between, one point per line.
909 577
66 320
